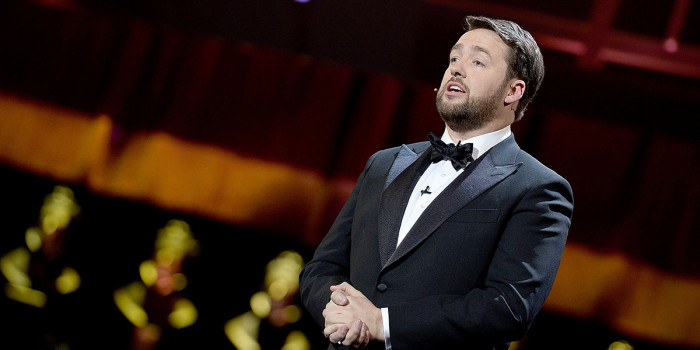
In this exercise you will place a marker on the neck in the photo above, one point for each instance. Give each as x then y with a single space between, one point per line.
494 125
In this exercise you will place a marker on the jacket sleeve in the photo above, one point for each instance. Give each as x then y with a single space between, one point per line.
517 283
330 264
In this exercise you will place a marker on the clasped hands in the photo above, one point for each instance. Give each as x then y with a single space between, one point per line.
351 319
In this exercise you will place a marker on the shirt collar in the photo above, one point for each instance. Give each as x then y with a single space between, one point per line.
481 143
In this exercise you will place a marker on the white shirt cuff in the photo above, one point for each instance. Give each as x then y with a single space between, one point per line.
385 320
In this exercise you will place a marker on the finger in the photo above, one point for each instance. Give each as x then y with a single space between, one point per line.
360 342
333 315
339 297
333 309
347 288
353 333
339 334
367 337
343 286
330 330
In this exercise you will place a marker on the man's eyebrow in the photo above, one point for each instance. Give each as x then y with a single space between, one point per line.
480 49
457 47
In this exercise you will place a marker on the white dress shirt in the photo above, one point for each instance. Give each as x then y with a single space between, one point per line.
435 179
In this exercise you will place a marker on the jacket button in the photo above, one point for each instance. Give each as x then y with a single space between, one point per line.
382 287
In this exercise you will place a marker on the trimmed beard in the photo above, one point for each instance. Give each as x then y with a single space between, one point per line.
471 114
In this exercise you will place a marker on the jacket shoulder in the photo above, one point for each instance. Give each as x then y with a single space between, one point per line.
389 154
538 173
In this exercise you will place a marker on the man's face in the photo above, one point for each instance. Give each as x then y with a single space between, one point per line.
474 84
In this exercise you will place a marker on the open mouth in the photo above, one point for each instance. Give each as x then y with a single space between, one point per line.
454 89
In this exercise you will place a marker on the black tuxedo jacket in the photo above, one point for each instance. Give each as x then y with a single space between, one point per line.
474 269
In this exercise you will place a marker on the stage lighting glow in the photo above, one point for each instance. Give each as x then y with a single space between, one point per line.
184 314
260 304
278 290
671 45
620 345
174 242
242 331
148 272
128 301
292 313
43 242
25 295
68 281
180 281
161 279
58 209
14 266
282 274
274 305
296 340
33 239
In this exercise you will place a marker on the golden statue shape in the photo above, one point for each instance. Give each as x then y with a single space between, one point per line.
154 302
272 308
38 270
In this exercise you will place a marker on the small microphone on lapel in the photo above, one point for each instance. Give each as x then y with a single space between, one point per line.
425 191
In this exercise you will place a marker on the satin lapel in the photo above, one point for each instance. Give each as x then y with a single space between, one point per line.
405 158
477 178
395 198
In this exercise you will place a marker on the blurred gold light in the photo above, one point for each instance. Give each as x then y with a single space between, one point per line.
25 295
33 239
180 281
174 242
165 257
14 266
296 340
620 345
184 314
282 274
260 304
242 331
292 313
272 304
68 281
128 300
278 290
148 272
58 209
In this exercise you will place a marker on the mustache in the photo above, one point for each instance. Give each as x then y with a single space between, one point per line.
457 80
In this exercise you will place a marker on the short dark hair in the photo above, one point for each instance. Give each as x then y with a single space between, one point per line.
524 59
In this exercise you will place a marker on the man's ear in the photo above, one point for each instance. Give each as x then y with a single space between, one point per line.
516 89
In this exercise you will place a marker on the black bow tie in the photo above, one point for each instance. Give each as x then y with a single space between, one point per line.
459 155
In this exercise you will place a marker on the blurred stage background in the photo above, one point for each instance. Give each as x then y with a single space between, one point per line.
250 120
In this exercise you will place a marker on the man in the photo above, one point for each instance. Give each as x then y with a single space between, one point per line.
452 243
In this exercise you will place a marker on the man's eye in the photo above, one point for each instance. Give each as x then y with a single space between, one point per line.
454 59
478 63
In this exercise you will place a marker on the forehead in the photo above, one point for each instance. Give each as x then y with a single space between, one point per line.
483 40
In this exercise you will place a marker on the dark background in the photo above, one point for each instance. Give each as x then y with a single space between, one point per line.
316 88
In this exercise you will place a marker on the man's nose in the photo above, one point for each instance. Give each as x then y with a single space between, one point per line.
456 70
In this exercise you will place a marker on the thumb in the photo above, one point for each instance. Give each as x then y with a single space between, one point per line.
348 289
339 298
